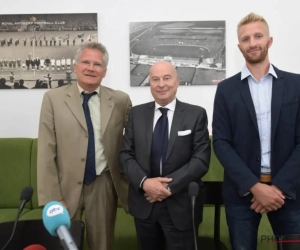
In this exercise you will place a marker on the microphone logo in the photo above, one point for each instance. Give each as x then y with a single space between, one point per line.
54 210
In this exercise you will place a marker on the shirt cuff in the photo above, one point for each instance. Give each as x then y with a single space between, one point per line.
141 184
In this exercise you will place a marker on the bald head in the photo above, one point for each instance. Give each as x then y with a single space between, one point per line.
163 82
163 64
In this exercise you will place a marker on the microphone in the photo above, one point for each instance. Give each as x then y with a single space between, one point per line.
35 247
193 192
26 195
56 220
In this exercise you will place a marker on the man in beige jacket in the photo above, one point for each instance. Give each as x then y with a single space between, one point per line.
80 133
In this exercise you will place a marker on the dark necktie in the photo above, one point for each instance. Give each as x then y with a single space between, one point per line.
160 140
90 165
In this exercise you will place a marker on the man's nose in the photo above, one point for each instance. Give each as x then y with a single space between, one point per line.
253 42
161 83
90 66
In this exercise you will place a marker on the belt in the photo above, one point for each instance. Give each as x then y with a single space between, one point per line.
265 178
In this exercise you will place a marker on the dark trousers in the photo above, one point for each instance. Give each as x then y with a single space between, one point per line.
243 224
158 230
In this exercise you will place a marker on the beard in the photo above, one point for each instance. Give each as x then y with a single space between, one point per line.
258 57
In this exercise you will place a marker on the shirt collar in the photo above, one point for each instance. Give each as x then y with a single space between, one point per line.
170 106
246 72
82 90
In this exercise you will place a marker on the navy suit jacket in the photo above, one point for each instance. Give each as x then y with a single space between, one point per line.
236 139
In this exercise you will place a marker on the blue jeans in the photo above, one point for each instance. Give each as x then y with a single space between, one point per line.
243 224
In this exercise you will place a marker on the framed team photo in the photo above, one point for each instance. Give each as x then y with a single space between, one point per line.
37 50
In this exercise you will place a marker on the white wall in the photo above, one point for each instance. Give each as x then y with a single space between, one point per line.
19 110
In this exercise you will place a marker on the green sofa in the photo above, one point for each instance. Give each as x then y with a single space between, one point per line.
18 169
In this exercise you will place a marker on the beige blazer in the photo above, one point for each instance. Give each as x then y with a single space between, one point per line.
63 140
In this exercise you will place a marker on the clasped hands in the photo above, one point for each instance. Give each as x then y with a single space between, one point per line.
156 189
266 198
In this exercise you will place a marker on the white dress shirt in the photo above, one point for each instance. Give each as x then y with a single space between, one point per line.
157 114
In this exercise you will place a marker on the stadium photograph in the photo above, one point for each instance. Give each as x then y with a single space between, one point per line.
37 50
195 48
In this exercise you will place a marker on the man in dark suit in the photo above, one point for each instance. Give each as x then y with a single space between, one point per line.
256 137
166 146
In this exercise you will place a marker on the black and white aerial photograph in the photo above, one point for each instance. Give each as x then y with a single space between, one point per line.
37 50
195 48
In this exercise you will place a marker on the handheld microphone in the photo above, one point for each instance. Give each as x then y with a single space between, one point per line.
35 247
56 220
193 192
26 195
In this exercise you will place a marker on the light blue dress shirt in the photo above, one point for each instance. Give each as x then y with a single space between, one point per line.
261 92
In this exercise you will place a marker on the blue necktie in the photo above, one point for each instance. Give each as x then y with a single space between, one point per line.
90 165
160 140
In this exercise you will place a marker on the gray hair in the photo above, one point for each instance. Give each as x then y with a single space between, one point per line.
93 45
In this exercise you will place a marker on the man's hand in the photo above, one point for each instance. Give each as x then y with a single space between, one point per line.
258 207
266 198
63 203
155 189
276 188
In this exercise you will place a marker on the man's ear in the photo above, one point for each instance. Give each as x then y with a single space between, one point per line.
270 42
104 75
75 68
239 47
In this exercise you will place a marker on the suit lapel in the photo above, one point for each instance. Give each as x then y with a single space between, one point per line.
73 101
106 108
176 124
245 92
277 92
148 121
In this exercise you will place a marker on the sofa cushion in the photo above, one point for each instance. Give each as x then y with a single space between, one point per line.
11 214
216 170
33 174
15 172
34 214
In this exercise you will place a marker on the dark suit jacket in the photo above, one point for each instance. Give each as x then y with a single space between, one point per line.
236 138
187 160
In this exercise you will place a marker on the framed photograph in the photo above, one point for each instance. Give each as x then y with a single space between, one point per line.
195 48
37 50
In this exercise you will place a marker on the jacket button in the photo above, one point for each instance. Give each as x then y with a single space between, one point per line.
82 159
79 182
257 158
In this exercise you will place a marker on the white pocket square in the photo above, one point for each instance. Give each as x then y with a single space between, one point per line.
185 132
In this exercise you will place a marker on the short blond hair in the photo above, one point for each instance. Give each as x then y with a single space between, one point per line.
251 18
